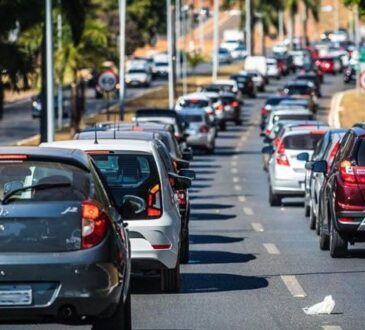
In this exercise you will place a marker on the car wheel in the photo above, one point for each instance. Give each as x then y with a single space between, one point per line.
274 199
210 150
120 320
170 279
338 246
238 122
184 253
306 209
324 241
222 126
312 218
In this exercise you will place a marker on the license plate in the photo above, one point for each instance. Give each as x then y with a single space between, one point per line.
13 295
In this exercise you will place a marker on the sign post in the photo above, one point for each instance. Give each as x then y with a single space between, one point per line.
107 83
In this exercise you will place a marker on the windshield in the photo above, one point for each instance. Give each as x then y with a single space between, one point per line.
302 141
61 182
129 174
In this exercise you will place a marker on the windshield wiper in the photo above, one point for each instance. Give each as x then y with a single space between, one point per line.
40 186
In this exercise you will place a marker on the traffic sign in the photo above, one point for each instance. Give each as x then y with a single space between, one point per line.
107 81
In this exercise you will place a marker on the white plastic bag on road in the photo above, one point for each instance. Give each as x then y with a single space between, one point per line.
324 307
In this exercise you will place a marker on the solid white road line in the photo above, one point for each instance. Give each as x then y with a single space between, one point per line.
331 327
237 187
242 199
293 286
248 211
257 227
271 248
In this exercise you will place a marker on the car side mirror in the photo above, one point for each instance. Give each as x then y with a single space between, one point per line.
134 203
179 182
268 150
188 173
319 166
303 156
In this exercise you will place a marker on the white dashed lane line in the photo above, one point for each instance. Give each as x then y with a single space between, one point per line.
242 199
331 327
257 227
293 286
236 179
234 170
248 211
237 187
271 248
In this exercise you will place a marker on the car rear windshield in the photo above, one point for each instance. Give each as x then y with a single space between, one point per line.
70 183
129 174
241 79
194 103
298 90
193 118
302 141
292 117
227 99
275 101
161 64
136 71
225 88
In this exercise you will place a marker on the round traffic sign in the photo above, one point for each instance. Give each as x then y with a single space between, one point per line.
107 81
362 79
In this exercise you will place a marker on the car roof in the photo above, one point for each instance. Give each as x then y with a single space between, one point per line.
297 83
294 102
120 145
64 155
133 135
195 96
294 112
210 94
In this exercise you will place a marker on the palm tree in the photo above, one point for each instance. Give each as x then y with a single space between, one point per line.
292 6
310 7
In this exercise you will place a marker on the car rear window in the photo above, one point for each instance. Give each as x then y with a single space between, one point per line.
275 101
194 103
298 90
302 141
241 79
292 117
129 174
227 99
225 88
193 118
30 173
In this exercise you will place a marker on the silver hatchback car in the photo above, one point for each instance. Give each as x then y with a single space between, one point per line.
286 171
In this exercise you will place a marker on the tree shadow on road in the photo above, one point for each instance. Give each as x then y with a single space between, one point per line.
211 216
214 239
209 206
219 257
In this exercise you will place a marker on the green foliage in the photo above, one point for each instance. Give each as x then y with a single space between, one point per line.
194 59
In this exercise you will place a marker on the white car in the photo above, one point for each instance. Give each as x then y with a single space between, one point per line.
231 44
256 63
138 77
196 101
272 68
228 85
239 53
224 56
136 167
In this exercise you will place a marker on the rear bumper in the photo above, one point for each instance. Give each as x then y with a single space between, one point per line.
353 228
199 140
293 187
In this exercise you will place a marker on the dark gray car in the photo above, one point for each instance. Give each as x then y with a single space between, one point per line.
64 250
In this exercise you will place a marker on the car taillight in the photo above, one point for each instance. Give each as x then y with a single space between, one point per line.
181 195
281 158
94 224
276 142
154 202
161 246
345 219
13 157
347 172
267 132
235 104
220 107
204 129
264 112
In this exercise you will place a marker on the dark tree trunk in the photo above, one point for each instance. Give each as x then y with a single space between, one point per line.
78 90
43 115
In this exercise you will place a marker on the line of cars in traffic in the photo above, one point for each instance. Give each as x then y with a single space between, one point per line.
305 158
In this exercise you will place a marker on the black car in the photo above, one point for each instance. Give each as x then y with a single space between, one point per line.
245 84
65 253
313 78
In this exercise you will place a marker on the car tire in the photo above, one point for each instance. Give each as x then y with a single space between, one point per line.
306 209
252 96
338 246
184 253
121 319
222 126
170 279
274 199
238 122
312 219
324 241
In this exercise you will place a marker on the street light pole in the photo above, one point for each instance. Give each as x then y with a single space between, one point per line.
215 41
170 54
248 27
49 72
122 18
60 91
178 34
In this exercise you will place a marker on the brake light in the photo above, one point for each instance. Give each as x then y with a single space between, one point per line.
204 129
235 104
94 224
264 112
181 197
161 246
347 172
318 132
137 129
345 219
267 131
276 142
98 152
281 158
220 107
154 202
13 157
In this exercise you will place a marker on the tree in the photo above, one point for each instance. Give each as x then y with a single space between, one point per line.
311 7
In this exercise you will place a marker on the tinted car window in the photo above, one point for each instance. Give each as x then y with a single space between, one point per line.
275 101
194 103
302 141
298 90
193 118
292 117
128 174
18 175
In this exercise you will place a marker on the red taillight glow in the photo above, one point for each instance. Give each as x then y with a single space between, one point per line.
235 104
264 112
267 131
94 224
161 246
318 132
204 129
347 172
281 158
181 195
13 157
154 202
345 219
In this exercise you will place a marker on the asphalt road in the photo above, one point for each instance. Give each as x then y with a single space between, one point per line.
252 266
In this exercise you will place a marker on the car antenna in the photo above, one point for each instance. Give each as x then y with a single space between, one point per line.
96 135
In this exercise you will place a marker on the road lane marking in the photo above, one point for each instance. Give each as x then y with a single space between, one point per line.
248 211
234 157
271 248
237 149
257 227
243 138
237 187
331 327
234 170
293 286
242 199
233 163
236 179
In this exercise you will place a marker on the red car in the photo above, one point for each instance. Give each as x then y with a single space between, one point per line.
328 65
342 201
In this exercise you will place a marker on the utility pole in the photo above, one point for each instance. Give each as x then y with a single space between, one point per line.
49 72
215 41
122 18
178 34
281 25
185 64
60 91
170 54
248 27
